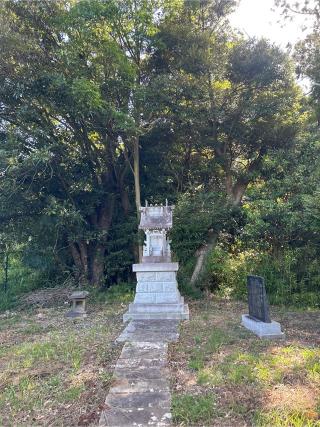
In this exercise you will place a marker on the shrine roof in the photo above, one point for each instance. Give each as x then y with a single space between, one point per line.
156 217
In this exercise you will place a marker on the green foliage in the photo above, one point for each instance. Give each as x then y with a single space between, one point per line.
228 273
277 236
65 133
121 292
24 277
194 215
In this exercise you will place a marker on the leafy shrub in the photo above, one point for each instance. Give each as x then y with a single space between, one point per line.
227 272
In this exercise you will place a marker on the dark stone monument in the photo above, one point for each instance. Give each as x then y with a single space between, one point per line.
257 299
258 320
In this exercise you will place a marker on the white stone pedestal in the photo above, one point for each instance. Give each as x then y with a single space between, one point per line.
157 295
263 330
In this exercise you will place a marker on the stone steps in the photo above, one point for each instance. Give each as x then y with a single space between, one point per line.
178 311
153 331
140 395
158 307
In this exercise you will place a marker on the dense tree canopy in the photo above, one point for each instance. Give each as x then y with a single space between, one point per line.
103 104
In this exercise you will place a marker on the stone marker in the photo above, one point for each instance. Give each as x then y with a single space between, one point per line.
78 307
257 299
157 295
258 320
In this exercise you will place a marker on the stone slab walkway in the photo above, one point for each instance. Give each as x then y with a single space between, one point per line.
150 331
140 395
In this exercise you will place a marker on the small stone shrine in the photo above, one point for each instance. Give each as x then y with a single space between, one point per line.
157 295
258 320
78 304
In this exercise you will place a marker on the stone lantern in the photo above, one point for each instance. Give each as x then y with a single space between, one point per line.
78 304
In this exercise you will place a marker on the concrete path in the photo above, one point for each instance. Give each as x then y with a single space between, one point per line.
140 395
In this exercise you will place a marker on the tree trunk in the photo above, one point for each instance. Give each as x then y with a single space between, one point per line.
97 266
136 173
103 222
228 184
137 191
237 193
202 255
6 270
80 262
83 250
125 202
89 263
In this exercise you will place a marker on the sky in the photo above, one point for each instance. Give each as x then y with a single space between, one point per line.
256 18
259 18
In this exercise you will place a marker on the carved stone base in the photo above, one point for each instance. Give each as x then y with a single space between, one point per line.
157 295
263 330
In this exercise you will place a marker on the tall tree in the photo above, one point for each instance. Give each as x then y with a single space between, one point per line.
235 101
65 90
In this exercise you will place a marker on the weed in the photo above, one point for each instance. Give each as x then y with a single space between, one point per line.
206 346
216 339
277 418
53 382
192 410
30 353
263 368
9 321
238 408
281 380
196 361
239 374
33 329
197 339
210 377
205 316
106 377
27 395
71 393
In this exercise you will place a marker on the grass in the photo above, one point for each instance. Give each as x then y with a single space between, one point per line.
254 382
204 345
72 393
53 368
287 419
192 410
7 322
